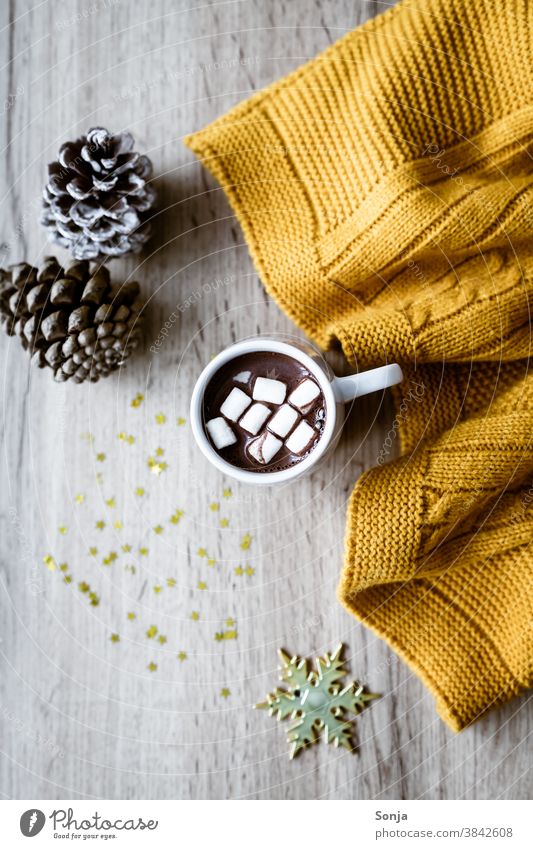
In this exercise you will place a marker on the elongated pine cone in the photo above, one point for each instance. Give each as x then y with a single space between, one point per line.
71 319
97 199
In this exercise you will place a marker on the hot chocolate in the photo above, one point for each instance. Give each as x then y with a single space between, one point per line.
263 411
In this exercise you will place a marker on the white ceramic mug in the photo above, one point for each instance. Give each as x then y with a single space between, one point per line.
337 392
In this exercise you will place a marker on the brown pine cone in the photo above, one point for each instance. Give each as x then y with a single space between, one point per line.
71 320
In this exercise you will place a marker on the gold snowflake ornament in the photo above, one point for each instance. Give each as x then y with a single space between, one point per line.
317 702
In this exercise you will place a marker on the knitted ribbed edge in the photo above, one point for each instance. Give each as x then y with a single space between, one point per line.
419 617
242 109
389 613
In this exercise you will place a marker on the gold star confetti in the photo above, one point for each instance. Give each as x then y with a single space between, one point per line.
139 491
227 493
62 529
171 582
151 632
131 616
160 418
63 567
111 557
100 524
224 523
152 667
126 548
159 452
157 589
118 524
230 622
126 437
162 639
137 401
49 562
80 498
83 587
211 561
226 635
195 616
182 655
158 529
180 421
247 571
176 516
202 585
95 599
114 638
110 502
214 506
67 579
201 552
100 456
93 551
246 542
225 692
155 467
143 551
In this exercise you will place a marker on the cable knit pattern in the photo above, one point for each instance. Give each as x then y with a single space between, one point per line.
386 193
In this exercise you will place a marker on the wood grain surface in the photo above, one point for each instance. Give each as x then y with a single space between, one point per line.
82 716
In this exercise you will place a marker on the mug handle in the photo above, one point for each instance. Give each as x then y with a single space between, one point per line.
353 386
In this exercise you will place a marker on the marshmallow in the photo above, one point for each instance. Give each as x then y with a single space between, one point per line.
304 394
265 447
220 432
301 438
235 404
242 377
271 391
283 421
254 418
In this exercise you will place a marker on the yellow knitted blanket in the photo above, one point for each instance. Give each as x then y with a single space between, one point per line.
385 190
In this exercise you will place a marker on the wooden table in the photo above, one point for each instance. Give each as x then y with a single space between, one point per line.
82 716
